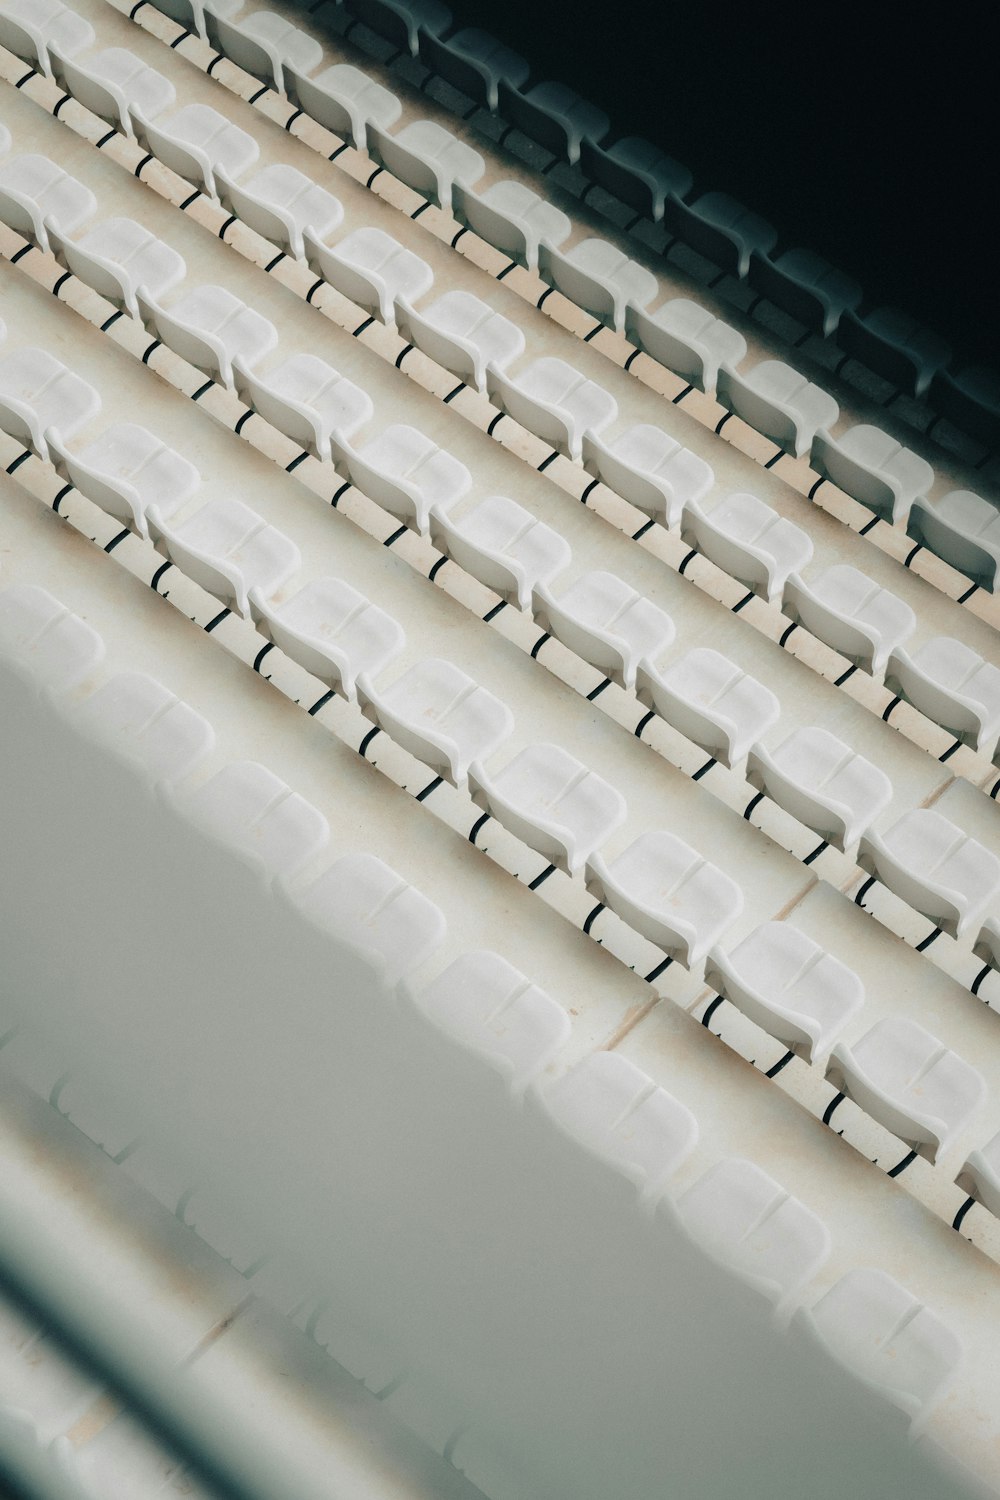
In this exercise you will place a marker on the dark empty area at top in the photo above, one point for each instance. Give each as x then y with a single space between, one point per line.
869 137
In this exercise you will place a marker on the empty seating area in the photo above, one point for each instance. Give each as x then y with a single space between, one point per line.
660 886
385 467
228 551
549 592
341 97
549 397
797 281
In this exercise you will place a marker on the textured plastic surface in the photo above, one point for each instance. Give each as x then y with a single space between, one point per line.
821 781
910 1082
711 700
552 802
669 892
935 867
789 985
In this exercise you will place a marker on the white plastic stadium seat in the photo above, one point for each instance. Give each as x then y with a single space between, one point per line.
873 468
552 802
334 632
879 1331
249 808
748 1222
344 100
892 343
503 545
116 258
779 402
35 192
637 172
722 228
113 82
513 218
607 622
441 715
128 471
554 116
598 277
712 701
669 892
38 392
45 639
262 43
28 27
853 614
231 551
650 470
371 268
306 399
369 905
909 1082
934 867
554 401
749 541
789 985
475 62
144 722
406 473
953 685
191 13
195 141
610 1107
964 530
427 158
823 783
279 202
462 333
686 338
209 327
486 1005
808 287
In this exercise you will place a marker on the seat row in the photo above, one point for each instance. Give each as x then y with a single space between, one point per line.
307 400
461 333
480 1002
898 1072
